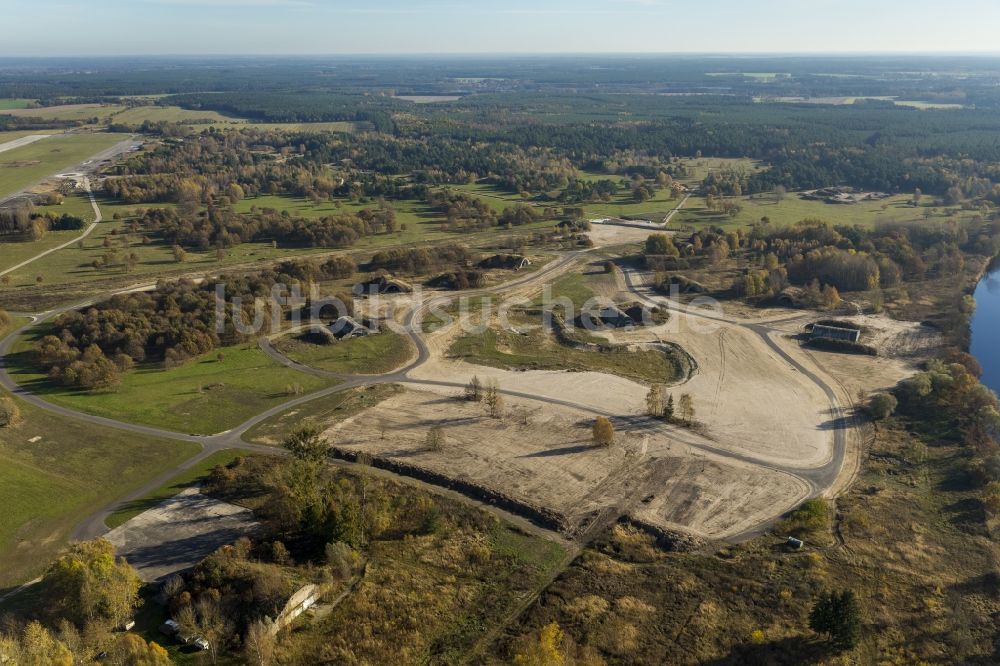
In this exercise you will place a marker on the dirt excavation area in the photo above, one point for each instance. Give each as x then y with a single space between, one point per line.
772 413
902 347
750 400
541 455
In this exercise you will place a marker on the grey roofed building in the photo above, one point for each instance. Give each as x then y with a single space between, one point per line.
836 333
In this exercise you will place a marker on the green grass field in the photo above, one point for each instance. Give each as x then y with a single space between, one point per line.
13 253
793 209
17 134
171 114
572 286
29 164
75 265
8 103
74 112
203 396
373 355
49 484
321 412
334 126
537 350
180 483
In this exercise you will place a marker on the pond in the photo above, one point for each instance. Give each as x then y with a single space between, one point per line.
986 328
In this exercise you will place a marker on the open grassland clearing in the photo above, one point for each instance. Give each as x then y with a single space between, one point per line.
207 395
24 166
75 264
792 209
371 355
73 112
539 350
8 103
14 252
321 413
200 119
332 126
171 114
20 134
55 471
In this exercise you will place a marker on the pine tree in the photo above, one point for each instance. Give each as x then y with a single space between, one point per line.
838 616
670 411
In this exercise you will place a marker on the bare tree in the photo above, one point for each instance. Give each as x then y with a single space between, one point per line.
259 643
654 401
686 405
494 401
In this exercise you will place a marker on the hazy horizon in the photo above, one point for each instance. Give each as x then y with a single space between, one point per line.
520 27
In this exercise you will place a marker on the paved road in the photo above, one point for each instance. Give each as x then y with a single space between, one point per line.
818 479
89 166
23 141
671 214
87 232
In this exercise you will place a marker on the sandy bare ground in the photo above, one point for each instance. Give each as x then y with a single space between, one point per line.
776 418
179 533
902 347
750 399
551 462
613 234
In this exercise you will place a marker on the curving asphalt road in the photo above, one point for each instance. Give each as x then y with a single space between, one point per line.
817 478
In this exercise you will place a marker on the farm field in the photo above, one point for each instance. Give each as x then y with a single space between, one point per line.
21 167
178 484
373 355
201 119
49 484
204 396
73 112
171 114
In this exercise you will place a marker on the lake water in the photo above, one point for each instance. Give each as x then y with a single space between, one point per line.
986 329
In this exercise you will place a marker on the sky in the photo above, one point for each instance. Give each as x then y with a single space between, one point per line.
155 27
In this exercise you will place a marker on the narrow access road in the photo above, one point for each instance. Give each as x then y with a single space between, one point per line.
87 232
671 214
